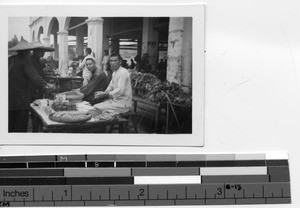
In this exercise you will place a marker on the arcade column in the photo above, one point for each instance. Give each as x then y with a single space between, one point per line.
95 38
63 52
150 41
179 67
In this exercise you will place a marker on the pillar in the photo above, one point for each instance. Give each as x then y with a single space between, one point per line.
55 44
186 80
79 40
95 38
63 52
150 41
179 68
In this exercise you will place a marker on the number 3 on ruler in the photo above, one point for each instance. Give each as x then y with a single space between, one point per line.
219 191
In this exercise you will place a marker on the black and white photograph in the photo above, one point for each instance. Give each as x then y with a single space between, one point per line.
74 75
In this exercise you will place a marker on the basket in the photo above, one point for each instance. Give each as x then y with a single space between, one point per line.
74 96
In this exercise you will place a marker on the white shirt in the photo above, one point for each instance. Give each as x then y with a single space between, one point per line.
86 74
120 87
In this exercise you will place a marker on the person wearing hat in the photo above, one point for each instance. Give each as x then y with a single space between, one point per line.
22 74
37 55
86 74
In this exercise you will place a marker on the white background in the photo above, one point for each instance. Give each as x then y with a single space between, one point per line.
252 84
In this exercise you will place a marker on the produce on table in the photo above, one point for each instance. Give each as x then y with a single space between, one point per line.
158 91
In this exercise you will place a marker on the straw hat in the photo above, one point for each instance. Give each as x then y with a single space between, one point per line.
24 45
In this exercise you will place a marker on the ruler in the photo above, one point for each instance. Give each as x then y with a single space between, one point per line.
144 180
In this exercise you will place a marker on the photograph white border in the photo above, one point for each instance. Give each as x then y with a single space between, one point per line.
194 10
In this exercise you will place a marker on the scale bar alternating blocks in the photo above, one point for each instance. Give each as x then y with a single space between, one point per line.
142 180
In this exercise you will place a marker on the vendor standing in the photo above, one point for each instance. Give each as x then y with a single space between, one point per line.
22 75
38 54
119 92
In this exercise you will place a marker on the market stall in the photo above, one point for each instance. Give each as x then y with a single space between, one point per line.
164 102
67 114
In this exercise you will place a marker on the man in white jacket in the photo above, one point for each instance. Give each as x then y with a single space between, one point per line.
118 92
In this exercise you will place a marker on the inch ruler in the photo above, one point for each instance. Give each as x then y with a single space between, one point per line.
144 180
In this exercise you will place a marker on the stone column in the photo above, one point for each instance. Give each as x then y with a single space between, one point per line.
95 38
150 41
79 40
179 68
56 52
187 60
63 52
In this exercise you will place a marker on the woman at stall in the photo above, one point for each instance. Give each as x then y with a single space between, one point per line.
22 75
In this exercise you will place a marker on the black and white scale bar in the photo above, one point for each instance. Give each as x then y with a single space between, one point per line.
96 164
64 181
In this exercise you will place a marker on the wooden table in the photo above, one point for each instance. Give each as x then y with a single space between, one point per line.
42 123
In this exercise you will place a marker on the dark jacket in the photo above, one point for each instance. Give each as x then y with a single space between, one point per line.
99 82
37 91
22 76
